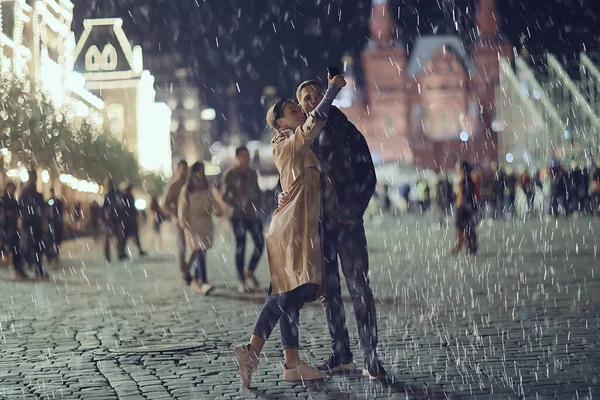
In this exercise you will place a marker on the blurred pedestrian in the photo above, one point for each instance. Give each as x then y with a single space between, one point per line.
157 219
404 191
466 210
112 214
528 188
130 216
170 205
386 202
33 211
77 216
510 184
95 219
241 192
558 190
595 189
56 211
424 195
11 238
196 208
445 196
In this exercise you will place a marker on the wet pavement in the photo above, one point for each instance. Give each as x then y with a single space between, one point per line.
520 320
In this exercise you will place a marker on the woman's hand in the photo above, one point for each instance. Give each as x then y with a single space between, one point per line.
337 81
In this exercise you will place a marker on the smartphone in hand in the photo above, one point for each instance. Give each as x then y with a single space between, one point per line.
334 71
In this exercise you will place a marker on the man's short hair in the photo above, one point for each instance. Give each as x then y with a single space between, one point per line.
240 150
182 163
310 82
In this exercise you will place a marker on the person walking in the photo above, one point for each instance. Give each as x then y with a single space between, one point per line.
11 238
445 196
294 237
345 156
56 211
242 194
157 220
130 216
170 205
112 214
196 207
33 211
466 210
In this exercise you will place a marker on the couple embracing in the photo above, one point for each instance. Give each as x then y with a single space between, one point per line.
326 181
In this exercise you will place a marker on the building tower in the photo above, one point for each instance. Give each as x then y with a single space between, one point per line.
487 50
384 61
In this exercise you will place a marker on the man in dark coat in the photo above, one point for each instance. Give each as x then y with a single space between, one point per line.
56 212
130 217
33 211
346 160
11 238
112 214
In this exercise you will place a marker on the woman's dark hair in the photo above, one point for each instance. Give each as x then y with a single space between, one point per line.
193 183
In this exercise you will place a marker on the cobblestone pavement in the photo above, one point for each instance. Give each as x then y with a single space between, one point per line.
518 321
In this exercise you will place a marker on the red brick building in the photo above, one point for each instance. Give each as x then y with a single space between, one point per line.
434 105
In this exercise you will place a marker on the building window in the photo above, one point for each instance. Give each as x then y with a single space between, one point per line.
172 103
7 10
189 103
116 118
190 124
92 59
109 58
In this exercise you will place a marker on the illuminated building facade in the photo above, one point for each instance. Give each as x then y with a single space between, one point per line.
114 71
191 121
432 105
36 45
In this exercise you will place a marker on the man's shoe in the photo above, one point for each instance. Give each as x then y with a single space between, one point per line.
303 372
206 289
337 364
251 281
374 370
247 363
20 276
143 253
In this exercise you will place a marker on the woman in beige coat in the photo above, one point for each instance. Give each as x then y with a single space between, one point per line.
196 206
294 236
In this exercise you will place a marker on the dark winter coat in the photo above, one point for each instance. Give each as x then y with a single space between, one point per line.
345 156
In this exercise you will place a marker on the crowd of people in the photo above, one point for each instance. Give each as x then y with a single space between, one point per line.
31 228
554 191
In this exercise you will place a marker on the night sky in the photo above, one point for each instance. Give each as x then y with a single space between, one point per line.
256 43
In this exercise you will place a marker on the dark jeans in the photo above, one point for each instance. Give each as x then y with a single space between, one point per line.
17 257
556 200
134 231
35 248
198 259
285 309
184 265
350 244
596 204
240 227
114 229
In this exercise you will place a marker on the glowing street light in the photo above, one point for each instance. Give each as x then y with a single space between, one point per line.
464 136
510 157
208 114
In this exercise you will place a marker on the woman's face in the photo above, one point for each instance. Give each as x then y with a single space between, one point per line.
199 175
293 116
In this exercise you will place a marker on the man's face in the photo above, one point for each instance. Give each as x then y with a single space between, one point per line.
310 96
243 159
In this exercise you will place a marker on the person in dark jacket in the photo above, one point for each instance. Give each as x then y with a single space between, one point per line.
130 216
33 211
11 238
346 162
466 210
112 214
445 196
56 212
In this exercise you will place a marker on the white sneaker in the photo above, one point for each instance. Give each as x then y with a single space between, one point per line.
242 288
206 289
247 363
303 372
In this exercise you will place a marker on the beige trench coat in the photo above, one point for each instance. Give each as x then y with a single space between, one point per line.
195 217
294 237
